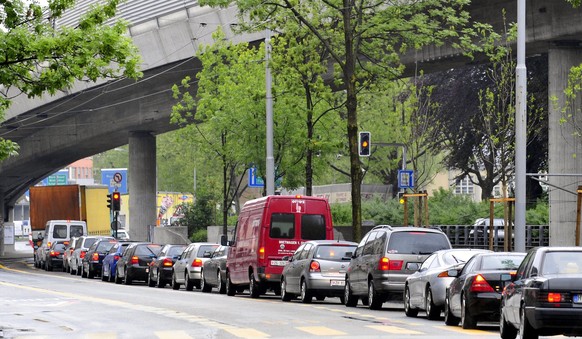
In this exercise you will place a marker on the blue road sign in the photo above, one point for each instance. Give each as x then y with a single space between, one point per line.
405 179
255 181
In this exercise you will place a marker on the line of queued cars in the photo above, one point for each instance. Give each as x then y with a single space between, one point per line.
533 294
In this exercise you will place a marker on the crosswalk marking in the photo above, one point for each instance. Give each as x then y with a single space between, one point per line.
102 335
247 333
320 330
172 335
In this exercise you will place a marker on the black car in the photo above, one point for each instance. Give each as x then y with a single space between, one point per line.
475 293
160 268
214 271
92 262
54 255
134 263
545 295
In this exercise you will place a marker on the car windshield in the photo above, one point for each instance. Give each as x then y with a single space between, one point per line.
562 263
104 246
148 250
506 262
333 252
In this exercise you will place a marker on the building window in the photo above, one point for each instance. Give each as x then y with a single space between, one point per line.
464 186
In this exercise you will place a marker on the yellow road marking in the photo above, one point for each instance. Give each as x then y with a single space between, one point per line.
247 333
320 330
460 330
393 329
102 335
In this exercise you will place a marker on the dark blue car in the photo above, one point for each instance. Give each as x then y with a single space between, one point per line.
110 260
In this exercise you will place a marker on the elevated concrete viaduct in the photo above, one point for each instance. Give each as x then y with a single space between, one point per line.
92 118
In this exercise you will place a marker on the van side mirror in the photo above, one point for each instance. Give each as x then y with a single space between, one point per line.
223 240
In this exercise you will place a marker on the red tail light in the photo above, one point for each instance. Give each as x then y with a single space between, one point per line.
116 257
55 254
134 260
554 297
167 262
82 254
95 256
197 263
314 266
386 264
480 285
262 253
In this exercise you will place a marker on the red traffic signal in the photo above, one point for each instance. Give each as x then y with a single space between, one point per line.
116 201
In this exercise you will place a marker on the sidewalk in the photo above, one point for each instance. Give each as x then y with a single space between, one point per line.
19 250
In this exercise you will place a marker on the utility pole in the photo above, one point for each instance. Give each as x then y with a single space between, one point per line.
270 165
520 130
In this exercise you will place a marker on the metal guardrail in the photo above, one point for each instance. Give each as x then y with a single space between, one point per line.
464 236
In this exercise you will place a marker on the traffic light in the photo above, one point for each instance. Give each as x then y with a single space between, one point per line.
364 144
116 201
109 201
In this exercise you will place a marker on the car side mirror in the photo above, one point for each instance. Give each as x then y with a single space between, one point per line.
287 258
347 256
453 273
223 240
207 254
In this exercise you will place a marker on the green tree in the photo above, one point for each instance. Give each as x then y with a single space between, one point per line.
365 40
38 58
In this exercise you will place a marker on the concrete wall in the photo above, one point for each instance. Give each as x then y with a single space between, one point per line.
170 235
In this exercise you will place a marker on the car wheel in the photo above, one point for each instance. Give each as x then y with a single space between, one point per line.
220 285
284 295
408 310
230 288
506 329
433 312
467 321
159 282
306 295
203 284
117 278
151 282
103 276
126 278
90 274
175 285
374 300
526 331
253 286
49 267
450 319
188 283
350 300
111 275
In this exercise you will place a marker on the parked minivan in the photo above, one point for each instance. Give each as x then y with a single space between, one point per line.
383 260
267 230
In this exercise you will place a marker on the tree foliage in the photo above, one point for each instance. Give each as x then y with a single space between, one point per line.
38 58
365 41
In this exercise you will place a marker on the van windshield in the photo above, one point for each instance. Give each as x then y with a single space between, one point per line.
312 227
282 226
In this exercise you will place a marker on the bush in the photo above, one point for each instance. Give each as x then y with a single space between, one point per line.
200 235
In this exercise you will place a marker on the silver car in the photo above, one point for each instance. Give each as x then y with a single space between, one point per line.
188 267
426 288
317 269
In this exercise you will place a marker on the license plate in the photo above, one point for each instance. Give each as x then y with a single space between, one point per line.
337 283
577 298
278 263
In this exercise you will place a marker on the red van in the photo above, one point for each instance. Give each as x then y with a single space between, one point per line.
268 229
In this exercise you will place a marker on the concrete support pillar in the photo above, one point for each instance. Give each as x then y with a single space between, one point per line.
564 149
142 184
2 217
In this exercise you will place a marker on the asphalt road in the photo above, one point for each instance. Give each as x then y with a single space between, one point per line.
40 304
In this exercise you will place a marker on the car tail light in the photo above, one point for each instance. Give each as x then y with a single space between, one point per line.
386 264
55 254
95 257
82 254
196 263
134 260
167 262
115 257
48 244
554 297
314 266
481 285
262 253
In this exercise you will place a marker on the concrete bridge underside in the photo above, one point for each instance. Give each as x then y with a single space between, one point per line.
55 131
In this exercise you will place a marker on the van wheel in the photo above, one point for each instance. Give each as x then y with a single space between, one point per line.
253 286
350 300
230 288
375 300
306 295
